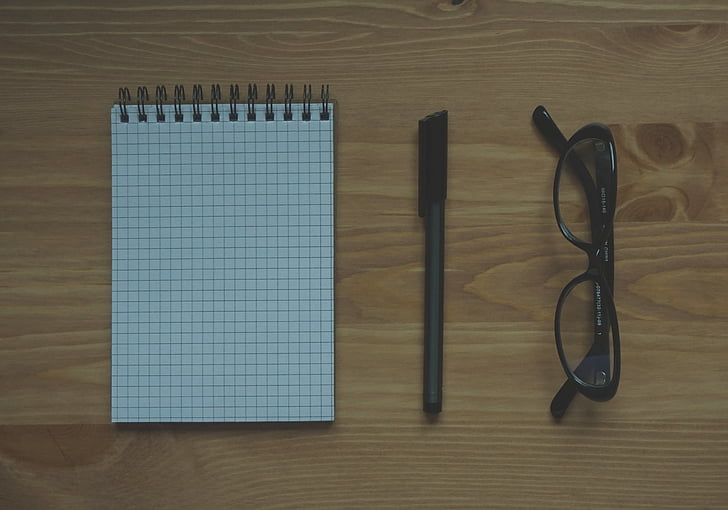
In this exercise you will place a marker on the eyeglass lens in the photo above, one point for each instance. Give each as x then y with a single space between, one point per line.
577 187
586 333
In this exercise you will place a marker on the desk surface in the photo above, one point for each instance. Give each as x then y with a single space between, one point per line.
654 71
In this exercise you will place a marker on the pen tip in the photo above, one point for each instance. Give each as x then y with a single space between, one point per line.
432 407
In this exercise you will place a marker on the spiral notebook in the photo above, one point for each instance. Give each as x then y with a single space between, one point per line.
222 258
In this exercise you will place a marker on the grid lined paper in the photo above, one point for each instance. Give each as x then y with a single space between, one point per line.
222 268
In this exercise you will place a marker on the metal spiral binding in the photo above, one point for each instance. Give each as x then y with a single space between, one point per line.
288 102
234 98
270 95
142 97
307 96
325 103
196 99
160 96
252 96
179 96
215 96
124 99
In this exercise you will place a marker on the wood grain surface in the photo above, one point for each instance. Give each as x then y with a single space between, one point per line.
655 72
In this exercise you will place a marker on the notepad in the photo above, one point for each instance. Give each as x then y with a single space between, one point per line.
222 266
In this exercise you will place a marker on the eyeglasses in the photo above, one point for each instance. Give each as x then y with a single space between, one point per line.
585 323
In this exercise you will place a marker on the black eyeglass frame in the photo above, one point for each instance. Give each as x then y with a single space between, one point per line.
600 251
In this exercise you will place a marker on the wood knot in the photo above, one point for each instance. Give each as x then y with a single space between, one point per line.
696 33
665 204
662 143
683 28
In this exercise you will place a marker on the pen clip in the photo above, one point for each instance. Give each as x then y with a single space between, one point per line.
432 181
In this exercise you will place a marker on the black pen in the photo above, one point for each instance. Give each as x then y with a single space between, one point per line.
432 192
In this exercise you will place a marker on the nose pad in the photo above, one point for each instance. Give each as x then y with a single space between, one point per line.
600 378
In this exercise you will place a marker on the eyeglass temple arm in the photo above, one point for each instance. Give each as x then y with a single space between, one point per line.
604 179
549 129
601 328
563 398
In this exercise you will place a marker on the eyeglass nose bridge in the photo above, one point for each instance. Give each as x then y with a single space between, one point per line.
597 263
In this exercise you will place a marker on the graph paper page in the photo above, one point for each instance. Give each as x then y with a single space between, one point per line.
222 267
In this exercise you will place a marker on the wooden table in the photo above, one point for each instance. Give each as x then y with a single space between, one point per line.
655 72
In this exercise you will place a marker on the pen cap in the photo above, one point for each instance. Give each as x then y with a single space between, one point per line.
432 183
